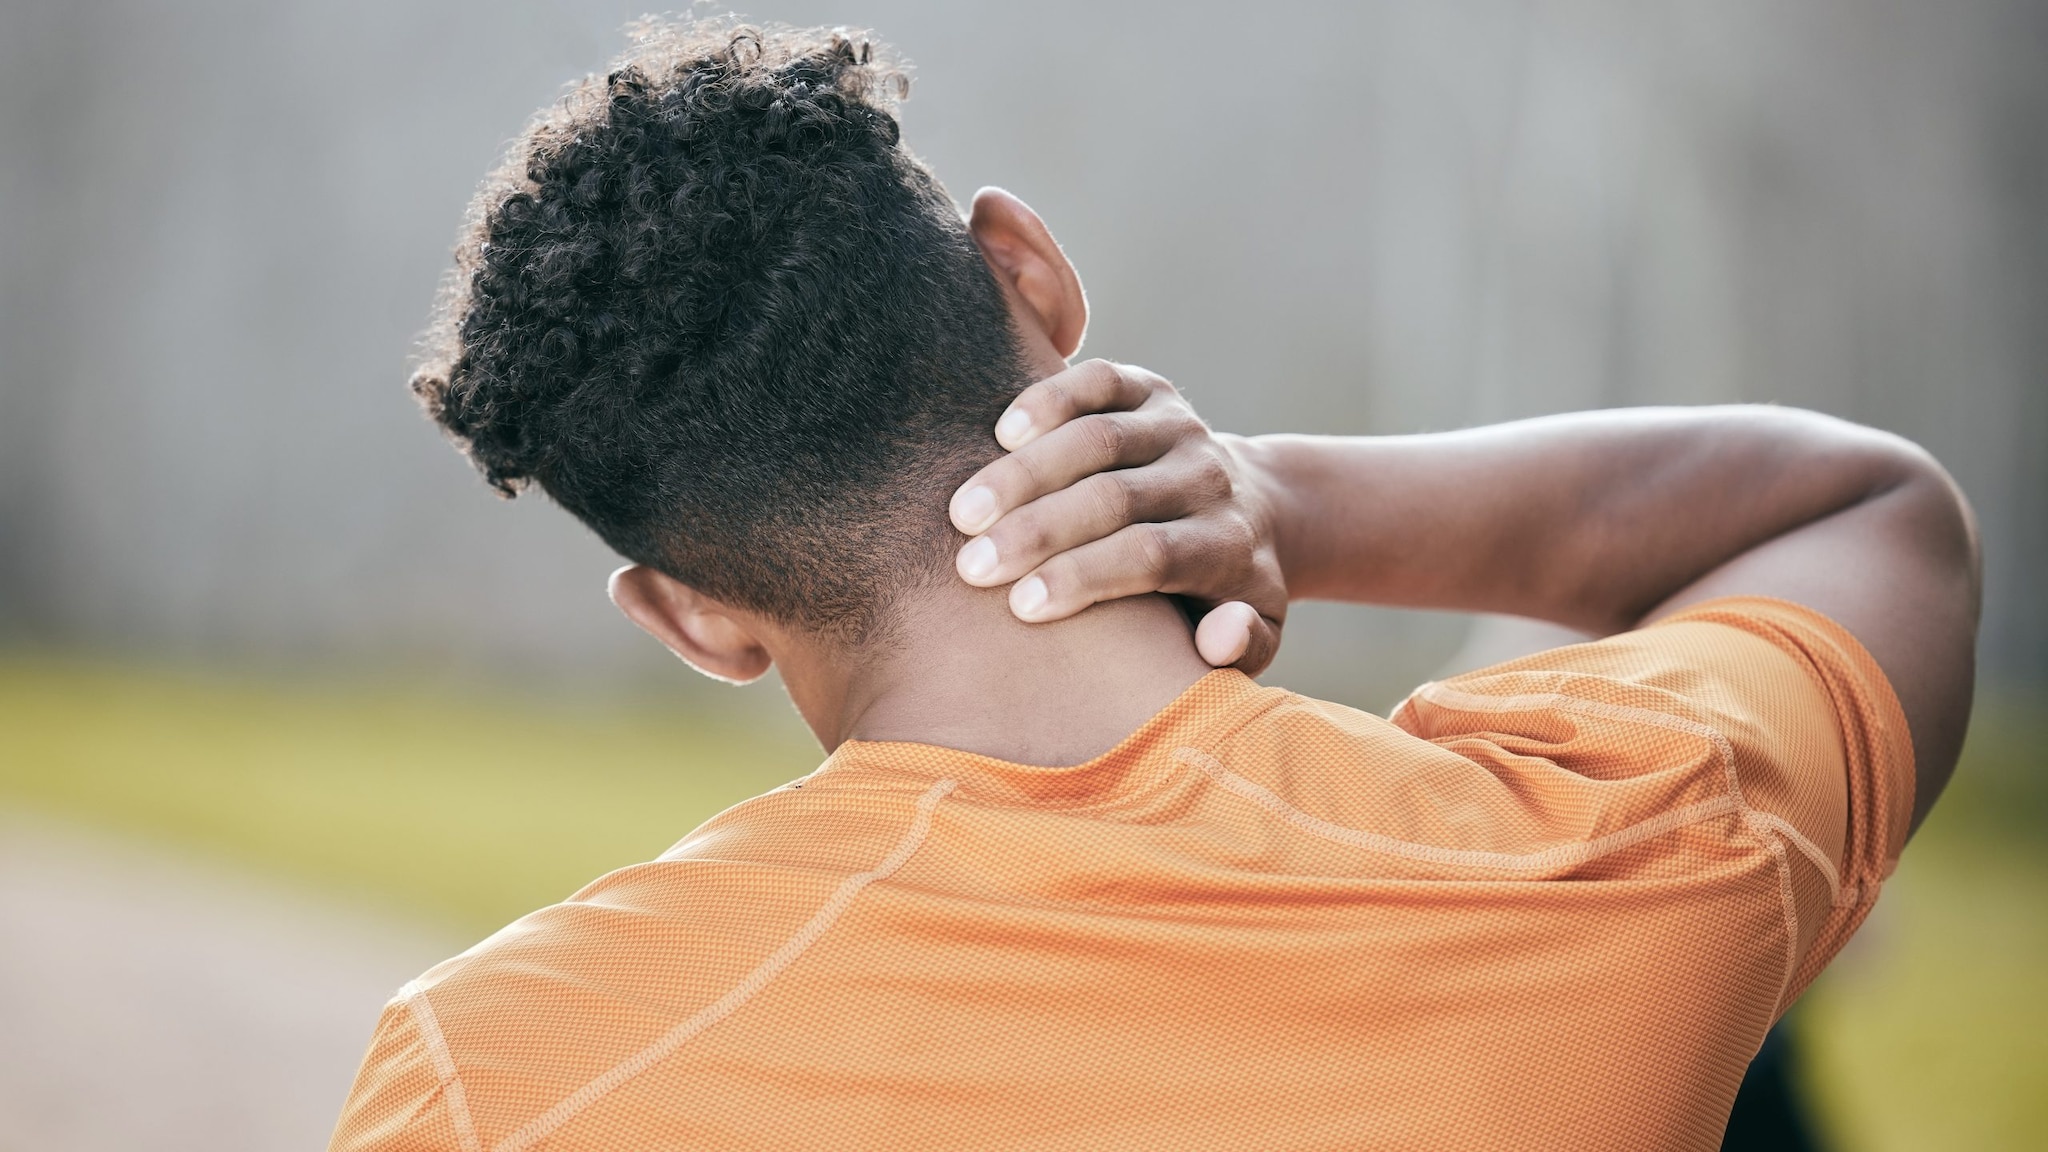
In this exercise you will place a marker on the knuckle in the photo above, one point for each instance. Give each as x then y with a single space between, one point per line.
1153 550
1098 375
1271 593
1056 398
1244 536
1038 535
1063 578
1212 479
1177 420
1108 437
1114 498
1149 391
1132 385
1030 469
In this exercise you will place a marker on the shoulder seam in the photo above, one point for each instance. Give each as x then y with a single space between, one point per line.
1553 857
542 1126
1455 698
414 997
1770 831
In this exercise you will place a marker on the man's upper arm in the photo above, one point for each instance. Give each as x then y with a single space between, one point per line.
1804 739
1899 571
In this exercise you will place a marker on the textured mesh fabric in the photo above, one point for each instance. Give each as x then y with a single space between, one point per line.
1552 904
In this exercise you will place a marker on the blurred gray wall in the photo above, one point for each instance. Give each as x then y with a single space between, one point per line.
222 222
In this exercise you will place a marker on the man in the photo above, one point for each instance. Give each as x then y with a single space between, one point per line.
1060 884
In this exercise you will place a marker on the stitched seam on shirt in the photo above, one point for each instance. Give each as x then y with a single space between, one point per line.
1544 858
1255 705
1840 897
540 1127
414 997
1759 825
1788 903
1753 819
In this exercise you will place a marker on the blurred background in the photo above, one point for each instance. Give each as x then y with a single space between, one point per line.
291 706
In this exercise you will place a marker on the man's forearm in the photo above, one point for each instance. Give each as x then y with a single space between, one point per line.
1600 521
1589 520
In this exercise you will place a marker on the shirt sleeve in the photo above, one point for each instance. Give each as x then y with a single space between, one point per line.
1817 751
406 1097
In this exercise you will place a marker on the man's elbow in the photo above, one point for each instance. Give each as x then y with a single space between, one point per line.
1939 524
1928 519
1935 532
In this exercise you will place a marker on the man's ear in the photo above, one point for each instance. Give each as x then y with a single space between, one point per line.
1020 249
706 634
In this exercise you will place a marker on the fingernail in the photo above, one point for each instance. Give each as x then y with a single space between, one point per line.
1013 427
975 509
978 559
1225 634
1028 597
1238 647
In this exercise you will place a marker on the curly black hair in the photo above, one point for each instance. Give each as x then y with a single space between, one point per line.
719 312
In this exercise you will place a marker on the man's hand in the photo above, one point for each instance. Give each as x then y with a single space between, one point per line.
1600 521
1113 487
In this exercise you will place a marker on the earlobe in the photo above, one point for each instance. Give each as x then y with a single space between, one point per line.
704 633
1022 252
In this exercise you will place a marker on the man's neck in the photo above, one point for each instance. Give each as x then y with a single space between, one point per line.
963 673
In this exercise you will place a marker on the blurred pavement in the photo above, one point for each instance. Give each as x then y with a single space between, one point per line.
148 1001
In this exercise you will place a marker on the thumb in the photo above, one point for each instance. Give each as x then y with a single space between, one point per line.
1235 634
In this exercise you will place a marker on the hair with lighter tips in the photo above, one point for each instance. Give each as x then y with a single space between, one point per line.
717 310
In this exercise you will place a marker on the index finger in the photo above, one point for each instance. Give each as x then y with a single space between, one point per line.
1088 387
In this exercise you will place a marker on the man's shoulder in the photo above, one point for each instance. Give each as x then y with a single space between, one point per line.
699 913
553 1001
1532 767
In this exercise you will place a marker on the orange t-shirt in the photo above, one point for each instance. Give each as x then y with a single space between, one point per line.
1554 904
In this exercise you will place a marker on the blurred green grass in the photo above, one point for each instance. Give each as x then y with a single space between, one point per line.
467 811
1931 1030
458 810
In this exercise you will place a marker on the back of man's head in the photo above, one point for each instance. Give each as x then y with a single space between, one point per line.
719 312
